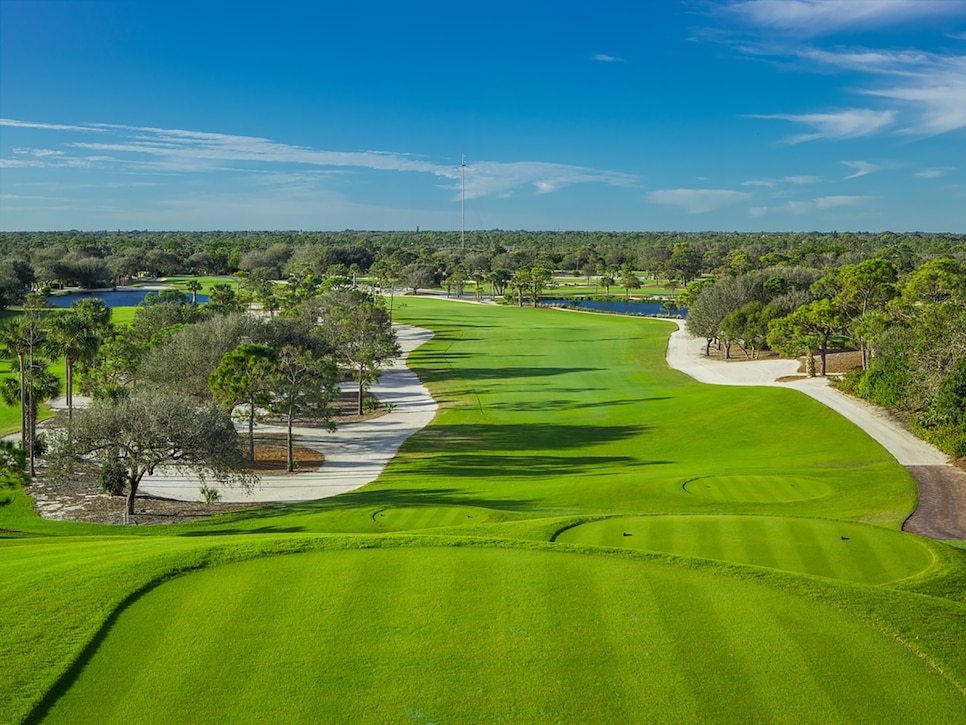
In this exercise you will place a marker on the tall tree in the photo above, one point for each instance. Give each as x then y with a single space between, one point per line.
194 287
819 319
149 429
244 377
74 338
24 338
302 385
356 326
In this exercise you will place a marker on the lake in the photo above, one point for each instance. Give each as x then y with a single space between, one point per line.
111 298
620 307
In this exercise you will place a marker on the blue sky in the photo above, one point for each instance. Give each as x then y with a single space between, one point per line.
747 115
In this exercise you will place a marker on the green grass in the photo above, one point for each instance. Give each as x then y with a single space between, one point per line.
471 635
486 576
836 549
206 282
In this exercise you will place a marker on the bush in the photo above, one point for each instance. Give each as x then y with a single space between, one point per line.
885 382
113 477
849 382
949 439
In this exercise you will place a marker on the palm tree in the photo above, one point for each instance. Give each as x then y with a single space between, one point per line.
75 339
194 287
95 313
23 337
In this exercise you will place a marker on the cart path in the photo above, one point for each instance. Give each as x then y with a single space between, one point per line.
941 512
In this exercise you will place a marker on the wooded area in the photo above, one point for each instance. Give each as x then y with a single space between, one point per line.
897 298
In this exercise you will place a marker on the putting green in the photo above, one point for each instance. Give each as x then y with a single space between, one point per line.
766 489
463 635
427 517
854 552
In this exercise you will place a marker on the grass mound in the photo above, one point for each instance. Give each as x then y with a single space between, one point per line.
834 549
427 517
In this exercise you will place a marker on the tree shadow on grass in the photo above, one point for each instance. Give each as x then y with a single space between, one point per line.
527 466
564 404
473 437
501 373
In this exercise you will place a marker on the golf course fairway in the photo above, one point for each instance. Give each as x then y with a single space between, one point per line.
581 535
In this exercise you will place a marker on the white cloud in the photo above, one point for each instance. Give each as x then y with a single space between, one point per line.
48 126
853 123
936 96
820 17
934 173
822 203
696 201
834 202
772 183
181 151
931 86
607 58
862 168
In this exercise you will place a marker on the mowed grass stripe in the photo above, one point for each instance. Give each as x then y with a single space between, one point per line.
472 635
839 550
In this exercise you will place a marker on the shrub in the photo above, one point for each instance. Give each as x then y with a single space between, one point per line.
885 382
849 382
949 439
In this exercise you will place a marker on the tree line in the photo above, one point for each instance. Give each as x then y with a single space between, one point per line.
35 260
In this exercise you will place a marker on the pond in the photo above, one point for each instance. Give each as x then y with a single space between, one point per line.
110 298
621 307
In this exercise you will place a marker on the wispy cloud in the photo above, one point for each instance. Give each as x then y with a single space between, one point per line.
932 87
921 93
603 58
697 201
773 183
935 173
811 206
822 17
862 168
185 151
48 126
852 123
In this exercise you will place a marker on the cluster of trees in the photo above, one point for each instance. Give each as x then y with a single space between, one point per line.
895 297
164 387
908 319
427 259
